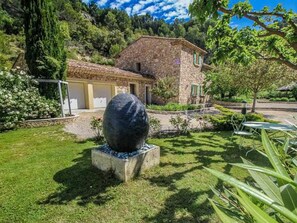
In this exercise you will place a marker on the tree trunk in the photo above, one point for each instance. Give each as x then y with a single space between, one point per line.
222 95
254 102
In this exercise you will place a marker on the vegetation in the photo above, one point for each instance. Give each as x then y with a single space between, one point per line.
45 54
97 127
294 92
181 125
20 100
174 107
165 88
272 38
53 179
222 121
249 79
92 33
155 125
271 198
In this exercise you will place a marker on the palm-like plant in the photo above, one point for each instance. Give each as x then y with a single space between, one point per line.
272 197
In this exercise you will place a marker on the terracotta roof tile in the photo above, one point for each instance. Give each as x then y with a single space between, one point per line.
81 67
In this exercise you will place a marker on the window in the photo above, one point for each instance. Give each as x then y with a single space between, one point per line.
132 89
196 90
138 67
197 59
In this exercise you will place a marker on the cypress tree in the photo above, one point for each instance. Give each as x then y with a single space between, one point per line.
45 54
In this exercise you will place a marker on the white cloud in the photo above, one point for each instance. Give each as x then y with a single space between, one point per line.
167 9
102 2
128 10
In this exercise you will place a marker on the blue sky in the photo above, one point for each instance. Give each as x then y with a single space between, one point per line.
172 9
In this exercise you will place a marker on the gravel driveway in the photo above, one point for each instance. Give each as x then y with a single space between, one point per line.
81 126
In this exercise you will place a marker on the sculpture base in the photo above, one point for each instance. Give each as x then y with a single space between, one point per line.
129 167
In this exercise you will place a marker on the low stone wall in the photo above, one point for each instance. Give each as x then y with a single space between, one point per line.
208 106
227 104
172 112
48 122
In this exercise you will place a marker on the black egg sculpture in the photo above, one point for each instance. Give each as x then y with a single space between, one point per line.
125 123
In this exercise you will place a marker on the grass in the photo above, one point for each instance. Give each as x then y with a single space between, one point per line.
174 107
46 176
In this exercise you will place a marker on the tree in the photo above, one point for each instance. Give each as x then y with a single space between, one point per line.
221 81
274 37
261 75
45 54
165 88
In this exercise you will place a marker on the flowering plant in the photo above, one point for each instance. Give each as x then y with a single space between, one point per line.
97 126
20 100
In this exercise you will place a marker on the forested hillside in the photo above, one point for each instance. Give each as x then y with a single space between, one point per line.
91 33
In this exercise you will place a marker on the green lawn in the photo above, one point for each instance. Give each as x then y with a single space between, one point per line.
46 176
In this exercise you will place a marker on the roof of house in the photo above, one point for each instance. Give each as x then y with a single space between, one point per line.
80 67
182 41
287 87
206 67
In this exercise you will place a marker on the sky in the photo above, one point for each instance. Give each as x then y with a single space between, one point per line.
172 9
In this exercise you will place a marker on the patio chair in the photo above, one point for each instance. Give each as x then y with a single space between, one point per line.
238 129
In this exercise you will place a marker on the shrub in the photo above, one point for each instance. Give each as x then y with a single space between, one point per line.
271 197
155 125
174 107
292 99
222 121
97 126
284 99
180 124
294 92
20 100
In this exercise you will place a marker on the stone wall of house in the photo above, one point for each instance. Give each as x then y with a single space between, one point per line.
190 74
158 57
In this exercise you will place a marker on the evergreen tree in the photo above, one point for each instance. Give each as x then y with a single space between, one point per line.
45 54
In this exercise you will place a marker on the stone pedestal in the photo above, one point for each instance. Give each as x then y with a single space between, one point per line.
126 169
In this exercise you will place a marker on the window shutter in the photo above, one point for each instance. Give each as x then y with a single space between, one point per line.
195 58
200 60
201 90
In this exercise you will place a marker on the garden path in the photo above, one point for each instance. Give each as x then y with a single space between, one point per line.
81 126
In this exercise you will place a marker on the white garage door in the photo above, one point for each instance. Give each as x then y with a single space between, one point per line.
77 96
102 95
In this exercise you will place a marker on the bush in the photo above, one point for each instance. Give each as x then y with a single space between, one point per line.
155 125
97 126
174 107
20 100
271 195
180 124
222 121
292 99
294 92
280 99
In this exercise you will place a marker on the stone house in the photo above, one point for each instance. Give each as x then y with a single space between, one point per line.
175 57
136 70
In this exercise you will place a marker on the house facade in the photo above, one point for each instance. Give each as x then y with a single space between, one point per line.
92 86
136 70
174 57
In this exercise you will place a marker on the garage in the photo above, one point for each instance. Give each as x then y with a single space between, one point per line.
102 95
77 96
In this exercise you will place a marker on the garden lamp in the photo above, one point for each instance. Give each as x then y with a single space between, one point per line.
244 107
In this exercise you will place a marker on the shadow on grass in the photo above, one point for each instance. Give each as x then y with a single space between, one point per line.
82 183
211 149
